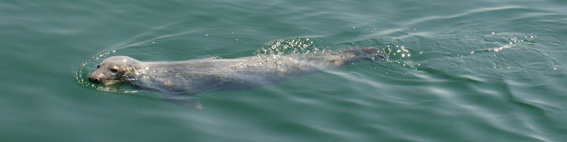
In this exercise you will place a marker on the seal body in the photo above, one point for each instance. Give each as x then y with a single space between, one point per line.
192 76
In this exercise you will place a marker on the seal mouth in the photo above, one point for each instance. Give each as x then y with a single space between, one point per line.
103 82
109 82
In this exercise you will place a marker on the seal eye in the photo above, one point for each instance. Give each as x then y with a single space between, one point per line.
113 70
97 66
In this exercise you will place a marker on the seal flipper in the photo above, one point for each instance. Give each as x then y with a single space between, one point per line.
184 101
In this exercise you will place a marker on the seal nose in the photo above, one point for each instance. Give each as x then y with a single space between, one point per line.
94 80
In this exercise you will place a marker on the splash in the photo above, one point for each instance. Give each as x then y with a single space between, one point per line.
289 46
398 50
512 41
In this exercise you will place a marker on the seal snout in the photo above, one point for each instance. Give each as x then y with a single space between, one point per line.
95 80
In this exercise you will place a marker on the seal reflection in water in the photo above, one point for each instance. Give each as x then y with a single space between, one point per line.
193 76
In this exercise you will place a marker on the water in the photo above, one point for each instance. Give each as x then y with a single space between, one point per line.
458 70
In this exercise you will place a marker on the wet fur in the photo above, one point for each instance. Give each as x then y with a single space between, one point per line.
192 76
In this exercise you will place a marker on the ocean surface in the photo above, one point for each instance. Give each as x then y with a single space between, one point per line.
458 71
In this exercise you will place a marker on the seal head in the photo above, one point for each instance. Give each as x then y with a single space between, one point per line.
114 70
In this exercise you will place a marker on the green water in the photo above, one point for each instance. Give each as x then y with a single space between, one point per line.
458 70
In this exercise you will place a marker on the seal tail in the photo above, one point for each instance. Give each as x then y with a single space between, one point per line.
366 54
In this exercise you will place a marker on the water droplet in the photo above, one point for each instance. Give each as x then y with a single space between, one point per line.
206 34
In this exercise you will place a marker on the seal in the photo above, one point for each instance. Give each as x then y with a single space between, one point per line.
198 75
